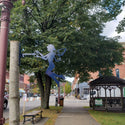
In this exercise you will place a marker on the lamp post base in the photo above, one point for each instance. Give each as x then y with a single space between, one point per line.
2 121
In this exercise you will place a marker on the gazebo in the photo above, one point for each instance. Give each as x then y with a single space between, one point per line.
107 93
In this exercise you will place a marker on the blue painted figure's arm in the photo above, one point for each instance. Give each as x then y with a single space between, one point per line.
41 55
59 54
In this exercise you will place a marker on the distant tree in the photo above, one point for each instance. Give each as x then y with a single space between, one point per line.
35 89
67 88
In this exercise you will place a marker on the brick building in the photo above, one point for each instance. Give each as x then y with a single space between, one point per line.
118 70
23 82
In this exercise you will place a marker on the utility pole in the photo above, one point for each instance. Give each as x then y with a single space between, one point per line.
58 95
14 110
5 19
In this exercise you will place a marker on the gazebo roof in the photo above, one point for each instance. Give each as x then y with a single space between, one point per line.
107 80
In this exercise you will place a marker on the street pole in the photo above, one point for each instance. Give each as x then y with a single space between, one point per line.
14 110
5 20
58 95
64 90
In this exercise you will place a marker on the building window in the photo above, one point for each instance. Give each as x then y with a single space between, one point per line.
86 90
117 73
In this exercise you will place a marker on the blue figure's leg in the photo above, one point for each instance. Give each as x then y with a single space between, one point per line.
52 75
61 76
55 80
55 74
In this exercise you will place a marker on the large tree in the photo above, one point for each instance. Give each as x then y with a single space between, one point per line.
72 24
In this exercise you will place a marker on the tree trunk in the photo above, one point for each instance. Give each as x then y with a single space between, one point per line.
44 89
47 91
14 110
41 86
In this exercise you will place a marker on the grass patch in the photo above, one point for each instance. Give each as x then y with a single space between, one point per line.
108 118
86 107
52 113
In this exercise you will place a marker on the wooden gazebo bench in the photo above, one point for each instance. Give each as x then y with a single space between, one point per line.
31 116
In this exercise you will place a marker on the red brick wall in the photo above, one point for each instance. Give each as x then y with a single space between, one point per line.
21 80
26 79
121 71
94 75
75 81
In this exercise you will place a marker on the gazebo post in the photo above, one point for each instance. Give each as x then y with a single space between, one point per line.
93 100
97 92
105 99
121 89
90 97
110 90
98 89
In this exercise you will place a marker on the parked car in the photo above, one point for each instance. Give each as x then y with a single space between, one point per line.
36 95
5 102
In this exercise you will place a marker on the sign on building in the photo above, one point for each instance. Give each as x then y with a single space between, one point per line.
98 102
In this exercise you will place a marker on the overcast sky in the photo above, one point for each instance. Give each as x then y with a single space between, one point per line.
110 28
69 79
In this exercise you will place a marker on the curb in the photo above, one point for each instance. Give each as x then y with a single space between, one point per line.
93 117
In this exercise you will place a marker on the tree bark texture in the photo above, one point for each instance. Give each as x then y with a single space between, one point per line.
44 89
14 110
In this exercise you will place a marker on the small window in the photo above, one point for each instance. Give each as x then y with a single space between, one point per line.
117 73
86 90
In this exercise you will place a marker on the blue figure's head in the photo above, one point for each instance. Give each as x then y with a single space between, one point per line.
51 48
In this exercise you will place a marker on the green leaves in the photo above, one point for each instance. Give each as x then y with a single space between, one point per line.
121 26
67 88
74 25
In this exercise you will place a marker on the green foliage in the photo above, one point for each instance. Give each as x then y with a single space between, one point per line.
35 89
67 88
121 26
32 79
75 25
61 89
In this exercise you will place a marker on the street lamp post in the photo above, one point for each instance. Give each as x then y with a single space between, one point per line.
5 20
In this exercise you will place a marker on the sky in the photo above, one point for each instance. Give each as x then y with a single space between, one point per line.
70 79
110 27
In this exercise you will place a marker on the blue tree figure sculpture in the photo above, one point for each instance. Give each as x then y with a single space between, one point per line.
51 56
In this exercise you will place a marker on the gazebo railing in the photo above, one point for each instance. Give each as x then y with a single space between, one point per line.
109 103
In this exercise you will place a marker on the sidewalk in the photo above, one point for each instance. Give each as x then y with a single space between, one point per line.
74 114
